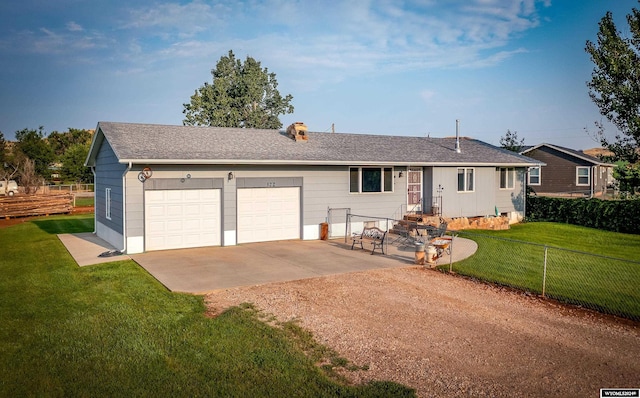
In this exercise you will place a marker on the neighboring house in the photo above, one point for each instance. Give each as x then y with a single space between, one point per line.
567 171
166 187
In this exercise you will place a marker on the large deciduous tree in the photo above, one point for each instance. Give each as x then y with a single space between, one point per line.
615 84
240 95
511 141
32 144
73 167
3 149
61 142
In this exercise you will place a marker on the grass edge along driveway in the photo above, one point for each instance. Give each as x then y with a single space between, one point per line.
113 330
576 273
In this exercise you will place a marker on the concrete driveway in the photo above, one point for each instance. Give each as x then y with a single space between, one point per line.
206 269
202 270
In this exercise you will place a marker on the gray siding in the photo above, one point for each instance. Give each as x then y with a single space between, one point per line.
109 175
508 200
322 187
483 200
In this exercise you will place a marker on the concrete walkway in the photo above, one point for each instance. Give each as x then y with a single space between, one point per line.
206 269
86 248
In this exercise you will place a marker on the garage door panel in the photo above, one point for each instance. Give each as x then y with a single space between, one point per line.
180 219
267 214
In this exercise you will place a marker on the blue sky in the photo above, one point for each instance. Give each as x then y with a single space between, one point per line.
379 67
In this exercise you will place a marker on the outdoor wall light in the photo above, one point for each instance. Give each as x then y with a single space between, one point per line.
230 176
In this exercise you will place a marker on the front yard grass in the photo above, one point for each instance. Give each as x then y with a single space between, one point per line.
84 201
113 330
581 268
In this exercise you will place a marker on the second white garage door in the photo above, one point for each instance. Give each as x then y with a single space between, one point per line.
176 219
267 214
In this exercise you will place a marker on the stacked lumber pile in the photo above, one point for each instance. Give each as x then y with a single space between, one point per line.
35 205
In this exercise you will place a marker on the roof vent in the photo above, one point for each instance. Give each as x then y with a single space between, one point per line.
298 131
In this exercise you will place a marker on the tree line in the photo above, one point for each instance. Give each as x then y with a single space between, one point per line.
614 88
36 158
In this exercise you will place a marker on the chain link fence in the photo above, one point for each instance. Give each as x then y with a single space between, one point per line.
606 284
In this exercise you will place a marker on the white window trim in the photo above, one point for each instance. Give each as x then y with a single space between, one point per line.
359 192
578 168
107 202
511 172
466 183
539 176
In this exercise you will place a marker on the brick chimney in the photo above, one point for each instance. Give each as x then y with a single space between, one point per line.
298 131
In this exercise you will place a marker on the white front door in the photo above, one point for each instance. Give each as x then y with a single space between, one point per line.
266 214
414 189
176 219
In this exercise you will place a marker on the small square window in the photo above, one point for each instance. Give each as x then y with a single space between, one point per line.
534 176
466 181
507 177
583 176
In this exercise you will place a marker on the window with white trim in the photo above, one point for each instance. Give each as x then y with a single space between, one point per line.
534 176
507 177
466 177
107 203
583 175
370 179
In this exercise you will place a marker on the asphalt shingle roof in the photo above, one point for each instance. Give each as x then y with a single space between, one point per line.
190 144
569 151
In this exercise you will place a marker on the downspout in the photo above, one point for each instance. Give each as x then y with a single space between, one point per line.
95 220
525 176
593 181
124 208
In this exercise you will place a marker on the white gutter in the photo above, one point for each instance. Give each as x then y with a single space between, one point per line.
272 162
593 180
95 220
124 208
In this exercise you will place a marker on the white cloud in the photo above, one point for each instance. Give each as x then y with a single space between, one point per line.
174 19
427 95
74 27
308 40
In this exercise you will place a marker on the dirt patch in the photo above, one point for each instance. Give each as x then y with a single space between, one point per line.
445 335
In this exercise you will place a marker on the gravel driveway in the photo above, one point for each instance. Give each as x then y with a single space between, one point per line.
445 335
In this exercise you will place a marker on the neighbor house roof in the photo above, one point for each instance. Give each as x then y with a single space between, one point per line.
162 144
568 151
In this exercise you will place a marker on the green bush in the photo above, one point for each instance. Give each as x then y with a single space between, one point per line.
610 215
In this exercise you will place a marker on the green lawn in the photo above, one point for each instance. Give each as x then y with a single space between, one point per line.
82 201
593 268
113 330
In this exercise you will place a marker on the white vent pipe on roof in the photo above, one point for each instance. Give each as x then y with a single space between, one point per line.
457 136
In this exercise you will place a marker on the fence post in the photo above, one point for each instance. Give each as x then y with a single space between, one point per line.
544 272
346 226
451 255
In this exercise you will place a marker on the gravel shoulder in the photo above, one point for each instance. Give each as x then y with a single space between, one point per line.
444 335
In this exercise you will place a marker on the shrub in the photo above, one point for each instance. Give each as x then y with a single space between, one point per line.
610 215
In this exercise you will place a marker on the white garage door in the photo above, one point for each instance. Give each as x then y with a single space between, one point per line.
177 219
266 214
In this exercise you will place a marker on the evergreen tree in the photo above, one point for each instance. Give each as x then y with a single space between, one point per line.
241 95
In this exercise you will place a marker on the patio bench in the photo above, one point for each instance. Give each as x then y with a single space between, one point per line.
374 235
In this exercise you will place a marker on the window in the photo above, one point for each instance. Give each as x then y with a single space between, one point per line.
582 176
465 180
534 176
507 177
370 179
107 203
